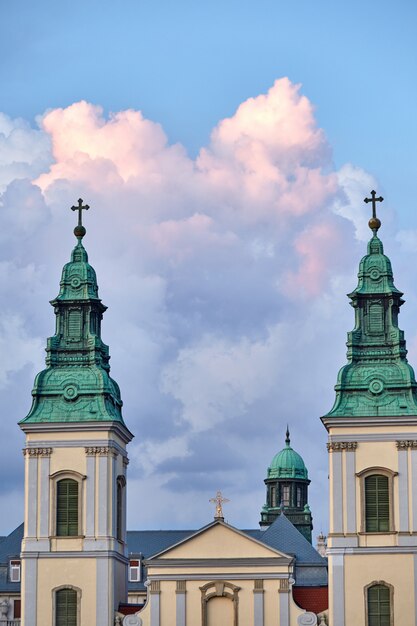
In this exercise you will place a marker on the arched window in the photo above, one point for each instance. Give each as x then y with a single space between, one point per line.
377 499
67 508
379 605
66 607
377 503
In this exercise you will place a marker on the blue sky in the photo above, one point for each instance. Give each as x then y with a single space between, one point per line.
189 64
238 230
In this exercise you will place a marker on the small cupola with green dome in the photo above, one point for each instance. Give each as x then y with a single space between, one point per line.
287 490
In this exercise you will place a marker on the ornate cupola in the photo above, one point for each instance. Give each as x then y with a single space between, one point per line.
287 490
377 380
76 386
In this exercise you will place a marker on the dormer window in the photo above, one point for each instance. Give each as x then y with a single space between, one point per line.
134 571
14 571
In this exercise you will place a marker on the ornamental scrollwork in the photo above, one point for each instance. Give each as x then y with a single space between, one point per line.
406 443
338 446
94 450
37 452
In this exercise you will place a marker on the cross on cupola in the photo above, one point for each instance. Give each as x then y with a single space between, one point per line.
374 222
79 230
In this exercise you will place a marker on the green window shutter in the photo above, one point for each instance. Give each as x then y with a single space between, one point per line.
376 318
377 503
66 607
379 606
74 324
67 508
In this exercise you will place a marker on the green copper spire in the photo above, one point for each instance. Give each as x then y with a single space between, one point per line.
76 386
377 379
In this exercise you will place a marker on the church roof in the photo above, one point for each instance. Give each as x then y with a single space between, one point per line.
284 536
287 463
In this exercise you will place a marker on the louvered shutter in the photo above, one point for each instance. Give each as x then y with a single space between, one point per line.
67 508
377 503
379 609
66 607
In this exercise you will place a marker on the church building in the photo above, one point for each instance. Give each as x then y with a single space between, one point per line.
73 562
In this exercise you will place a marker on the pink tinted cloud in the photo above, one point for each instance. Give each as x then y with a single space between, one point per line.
267 165
126 144
319 252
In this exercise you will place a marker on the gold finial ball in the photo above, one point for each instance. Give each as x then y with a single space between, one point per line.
374 223
79 231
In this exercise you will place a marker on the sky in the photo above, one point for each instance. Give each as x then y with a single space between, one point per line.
225 149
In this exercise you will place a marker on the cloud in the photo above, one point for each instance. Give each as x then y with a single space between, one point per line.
225 278
24 151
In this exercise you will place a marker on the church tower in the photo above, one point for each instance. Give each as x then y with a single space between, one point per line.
74 557
372 428
287 490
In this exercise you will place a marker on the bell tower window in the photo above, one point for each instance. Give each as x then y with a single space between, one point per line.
377 503
67 508
378 602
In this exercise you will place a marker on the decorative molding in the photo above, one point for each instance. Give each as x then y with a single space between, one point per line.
307 619
218 562
94 450
37 452
180 588
406 443
284 585
155 586
338 446
258 585
222 576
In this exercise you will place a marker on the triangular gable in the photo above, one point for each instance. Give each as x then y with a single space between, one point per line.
220 541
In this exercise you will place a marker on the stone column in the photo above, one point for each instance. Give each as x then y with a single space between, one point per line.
337 588
351 487
155 591
31 455
403 485
90 513
336 485
258 603
284 602
180 604
44 504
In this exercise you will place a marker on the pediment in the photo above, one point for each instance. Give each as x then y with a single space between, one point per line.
220 541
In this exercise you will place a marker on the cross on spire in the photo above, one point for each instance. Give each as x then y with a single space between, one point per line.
80 208
218 501
374 222
374 200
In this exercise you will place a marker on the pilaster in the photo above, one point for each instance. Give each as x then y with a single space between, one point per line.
180 602
258 602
